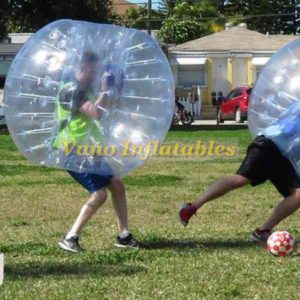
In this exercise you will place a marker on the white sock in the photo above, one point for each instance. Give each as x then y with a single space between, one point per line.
70 235
124 234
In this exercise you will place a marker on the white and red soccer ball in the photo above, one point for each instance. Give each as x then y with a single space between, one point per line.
281 243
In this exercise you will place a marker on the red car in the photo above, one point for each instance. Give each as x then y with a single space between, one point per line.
235 105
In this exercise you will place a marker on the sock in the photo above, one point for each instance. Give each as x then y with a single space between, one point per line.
124 234
70 235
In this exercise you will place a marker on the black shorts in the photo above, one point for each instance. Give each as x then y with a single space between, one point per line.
264 161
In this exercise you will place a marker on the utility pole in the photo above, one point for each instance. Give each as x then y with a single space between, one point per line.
149 17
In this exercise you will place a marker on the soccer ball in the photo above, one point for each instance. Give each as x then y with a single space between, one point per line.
281 243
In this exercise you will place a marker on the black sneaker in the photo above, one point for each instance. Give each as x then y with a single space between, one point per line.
260 236
127 242
71 244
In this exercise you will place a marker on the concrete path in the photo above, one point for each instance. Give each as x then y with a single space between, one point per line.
214 122
211 125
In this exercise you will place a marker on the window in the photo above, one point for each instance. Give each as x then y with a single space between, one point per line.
249 91
238 92
234 93
189 75
9 57
230 95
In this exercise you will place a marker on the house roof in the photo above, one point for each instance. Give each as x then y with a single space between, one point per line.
10 48
236 39
120 6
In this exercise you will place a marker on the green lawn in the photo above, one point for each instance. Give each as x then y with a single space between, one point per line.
210 259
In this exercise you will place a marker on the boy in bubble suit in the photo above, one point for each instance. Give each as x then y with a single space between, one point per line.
264 161
77 108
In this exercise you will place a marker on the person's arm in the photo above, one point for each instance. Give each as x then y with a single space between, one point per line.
104 101
97 109
91 109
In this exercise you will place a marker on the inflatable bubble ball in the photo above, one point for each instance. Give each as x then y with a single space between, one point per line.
89 97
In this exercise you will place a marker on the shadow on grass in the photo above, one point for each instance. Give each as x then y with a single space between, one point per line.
49 260
19 272
211 244
48 250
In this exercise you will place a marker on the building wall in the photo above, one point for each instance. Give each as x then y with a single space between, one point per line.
250 78
220 73
240 71
175 73
256 70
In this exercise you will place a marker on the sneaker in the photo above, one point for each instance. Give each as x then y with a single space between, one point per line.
187 210
71 244
260 236
127 242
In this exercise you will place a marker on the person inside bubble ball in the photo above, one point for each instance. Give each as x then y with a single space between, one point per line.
77 108
264 161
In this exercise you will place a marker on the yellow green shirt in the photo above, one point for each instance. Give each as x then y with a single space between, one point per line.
74 127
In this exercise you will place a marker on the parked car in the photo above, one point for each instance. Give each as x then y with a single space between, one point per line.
235 105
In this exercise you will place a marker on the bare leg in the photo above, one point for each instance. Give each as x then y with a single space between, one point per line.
88 210
220 188
119 202
284 209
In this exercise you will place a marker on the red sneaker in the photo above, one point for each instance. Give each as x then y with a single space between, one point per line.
187 210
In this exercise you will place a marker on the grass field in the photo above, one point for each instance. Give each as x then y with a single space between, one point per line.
210 259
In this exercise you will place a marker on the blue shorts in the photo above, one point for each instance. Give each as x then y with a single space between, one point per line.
91 182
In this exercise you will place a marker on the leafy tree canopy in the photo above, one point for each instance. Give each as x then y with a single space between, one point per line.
185 24
30 15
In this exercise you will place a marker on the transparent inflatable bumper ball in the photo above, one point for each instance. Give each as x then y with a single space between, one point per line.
89 97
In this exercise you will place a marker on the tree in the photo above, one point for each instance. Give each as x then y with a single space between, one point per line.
185 23
137 18
254 14
166 6
175 31
284 23
30 15
4 16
